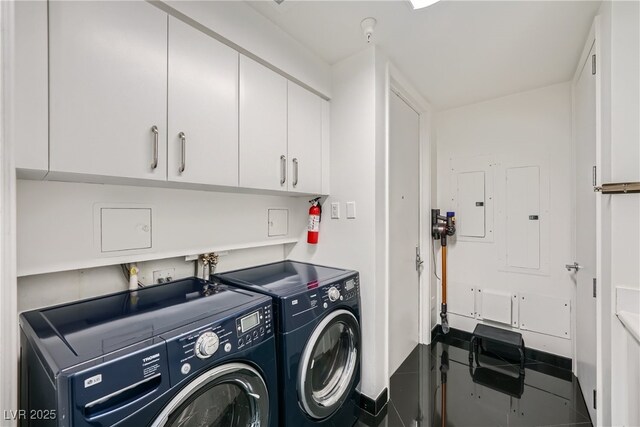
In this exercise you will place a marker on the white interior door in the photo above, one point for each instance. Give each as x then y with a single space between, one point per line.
585 230
404 232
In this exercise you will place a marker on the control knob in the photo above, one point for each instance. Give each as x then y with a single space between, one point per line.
334 294
206 345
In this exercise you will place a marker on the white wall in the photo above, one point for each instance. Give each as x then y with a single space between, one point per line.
58 229
355 243
244 26
518 128
43 290
621 213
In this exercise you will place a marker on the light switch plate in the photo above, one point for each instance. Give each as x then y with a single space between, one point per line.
335 210
351 210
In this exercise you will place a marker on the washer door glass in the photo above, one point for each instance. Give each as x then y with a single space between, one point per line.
232 395
329 364
222 405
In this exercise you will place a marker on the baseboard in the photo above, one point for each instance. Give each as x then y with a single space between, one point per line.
376 409
530 353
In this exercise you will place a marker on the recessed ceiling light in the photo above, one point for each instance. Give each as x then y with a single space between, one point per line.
419 4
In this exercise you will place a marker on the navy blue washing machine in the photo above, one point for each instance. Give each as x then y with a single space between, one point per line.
317 314
186 353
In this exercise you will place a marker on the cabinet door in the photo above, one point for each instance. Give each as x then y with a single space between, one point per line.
305 140
203 108
263 127
31 112
108 88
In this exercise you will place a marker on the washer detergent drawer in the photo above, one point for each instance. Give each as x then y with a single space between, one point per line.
109 392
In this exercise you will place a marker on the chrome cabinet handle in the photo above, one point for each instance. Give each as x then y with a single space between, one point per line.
283 169
154 162
295 172
183 139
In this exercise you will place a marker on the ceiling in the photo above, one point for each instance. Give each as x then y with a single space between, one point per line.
454 52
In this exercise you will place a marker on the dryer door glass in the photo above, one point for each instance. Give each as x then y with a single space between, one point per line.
232 395
329 364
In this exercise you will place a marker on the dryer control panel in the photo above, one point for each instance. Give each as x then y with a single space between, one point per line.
198 348
305 307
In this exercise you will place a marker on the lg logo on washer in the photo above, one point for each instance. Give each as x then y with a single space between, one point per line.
96 379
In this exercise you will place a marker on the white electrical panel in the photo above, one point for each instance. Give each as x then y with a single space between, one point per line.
278 222
470 214
124 229
523 217
471 183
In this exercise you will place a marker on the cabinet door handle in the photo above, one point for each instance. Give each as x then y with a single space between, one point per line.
283 169
183 140
154 162
295 172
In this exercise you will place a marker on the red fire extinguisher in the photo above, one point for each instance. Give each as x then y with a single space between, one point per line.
313 228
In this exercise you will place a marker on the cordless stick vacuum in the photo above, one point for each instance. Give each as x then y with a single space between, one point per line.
441 227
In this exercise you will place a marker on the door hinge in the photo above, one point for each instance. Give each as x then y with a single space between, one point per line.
594 175
594 399
594 287
593 64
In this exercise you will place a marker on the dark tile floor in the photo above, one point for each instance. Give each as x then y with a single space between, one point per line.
435 386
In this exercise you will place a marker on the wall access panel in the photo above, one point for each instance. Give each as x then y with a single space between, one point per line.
545 315
494 305
125 229
462 299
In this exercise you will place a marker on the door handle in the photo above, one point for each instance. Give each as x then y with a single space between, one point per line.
295 172
154 162
183 139
575 266
283 169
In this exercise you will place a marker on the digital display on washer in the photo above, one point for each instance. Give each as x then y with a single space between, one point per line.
349 284
249 322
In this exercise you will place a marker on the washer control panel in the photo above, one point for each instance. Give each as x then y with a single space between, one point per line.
206 345
254 326
198 348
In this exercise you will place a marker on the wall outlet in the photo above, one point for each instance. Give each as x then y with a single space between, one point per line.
162 276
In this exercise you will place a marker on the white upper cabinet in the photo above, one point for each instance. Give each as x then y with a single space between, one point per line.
31 91
108 88
305 140
135 94
263 127
203 108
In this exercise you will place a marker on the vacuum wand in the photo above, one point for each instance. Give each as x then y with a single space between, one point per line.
441 228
